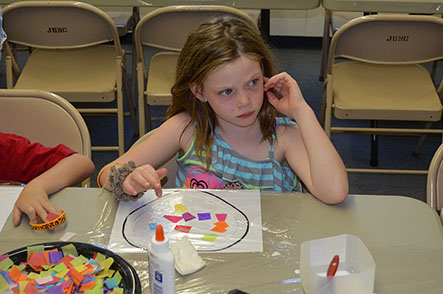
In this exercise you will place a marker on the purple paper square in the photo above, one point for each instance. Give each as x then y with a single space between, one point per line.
55 290
86 279
204 216
55 256
8 279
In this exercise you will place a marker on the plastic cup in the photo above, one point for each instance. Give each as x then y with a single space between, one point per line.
355 272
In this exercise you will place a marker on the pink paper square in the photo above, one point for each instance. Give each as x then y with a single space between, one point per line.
173 218
187 216
184 229
221 216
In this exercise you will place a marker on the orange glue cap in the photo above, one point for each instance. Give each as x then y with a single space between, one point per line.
159 234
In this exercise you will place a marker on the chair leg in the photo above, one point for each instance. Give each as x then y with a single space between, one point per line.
434 70
135 19
321 118
325 44
148 117
131 104
421 140
374 146
121 129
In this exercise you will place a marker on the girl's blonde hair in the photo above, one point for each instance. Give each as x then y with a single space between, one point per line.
214 43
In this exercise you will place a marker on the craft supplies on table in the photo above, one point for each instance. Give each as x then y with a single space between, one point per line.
351 270
66 267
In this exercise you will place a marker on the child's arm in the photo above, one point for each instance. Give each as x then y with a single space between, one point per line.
308 150
152 152
33 200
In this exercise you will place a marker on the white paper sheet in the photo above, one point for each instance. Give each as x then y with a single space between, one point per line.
8 196
135 222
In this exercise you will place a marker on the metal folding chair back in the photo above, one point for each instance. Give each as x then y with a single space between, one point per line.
167 28
374 73
76 53
434 191
45 118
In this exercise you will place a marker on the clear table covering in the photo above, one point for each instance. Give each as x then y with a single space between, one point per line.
404 236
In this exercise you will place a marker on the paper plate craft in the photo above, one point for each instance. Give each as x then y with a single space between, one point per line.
66 267
210 222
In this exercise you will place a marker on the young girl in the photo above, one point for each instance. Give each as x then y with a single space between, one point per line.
222 122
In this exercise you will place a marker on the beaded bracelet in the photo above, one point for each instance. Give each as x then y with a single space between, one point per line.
48 225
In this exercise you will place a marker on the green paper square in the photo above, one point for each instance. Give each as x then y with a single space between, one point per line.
117 276
69 249
6 264
209 237
36 249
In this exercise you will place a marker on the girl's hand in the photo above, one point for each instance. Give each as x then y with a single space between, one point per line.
143 178
33 201
291 97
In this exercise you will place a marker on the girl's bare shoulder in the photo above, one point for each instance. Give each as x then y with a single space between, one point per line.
180 125
286 131
287 136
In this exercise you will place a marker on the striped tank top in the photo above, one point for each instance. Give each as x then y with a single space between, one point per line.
230 170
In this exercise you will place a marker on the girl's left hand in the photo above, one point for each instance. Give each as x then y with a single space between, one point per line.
285 86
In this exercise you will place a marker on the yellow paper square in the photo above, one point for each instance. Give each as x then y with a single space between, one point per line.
179 208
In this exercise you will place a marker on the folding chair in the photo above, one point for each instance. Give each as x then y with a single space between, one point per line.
167 28
434 188
69 56
381 77
171 164
44 117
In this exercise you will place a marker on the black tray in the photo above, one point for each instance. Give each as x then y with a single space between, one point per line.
130 281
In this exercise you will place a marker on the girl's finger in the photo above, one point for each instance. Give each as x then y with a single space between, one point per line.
50 207
17 216
272 98
133 187
41 212
30 212
142 179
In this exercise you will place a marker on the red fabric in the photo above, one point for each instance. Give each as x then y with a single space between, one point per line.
22 161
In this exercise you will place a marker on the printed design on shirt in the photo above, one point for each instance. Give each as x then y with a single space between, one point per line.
198 177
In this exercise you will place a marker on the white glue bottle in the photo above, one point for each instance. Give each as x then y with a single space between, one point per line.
161 264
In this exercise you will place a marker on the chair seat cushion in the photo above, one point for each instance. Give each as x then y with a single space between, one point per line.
161 78
78 75
384 92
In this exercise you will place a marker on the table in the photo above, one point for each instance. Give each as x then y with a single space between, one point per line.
372 6
404 236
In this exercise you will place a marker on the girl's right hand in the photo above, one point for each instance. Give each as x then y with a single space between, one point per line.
143 178
291 98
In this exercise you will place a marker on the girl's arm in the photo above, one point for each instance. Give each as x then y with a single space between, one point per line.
33 200
308 150
149 154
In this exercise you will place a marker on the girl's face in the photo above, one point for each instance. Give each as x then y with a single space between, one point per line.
235 92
